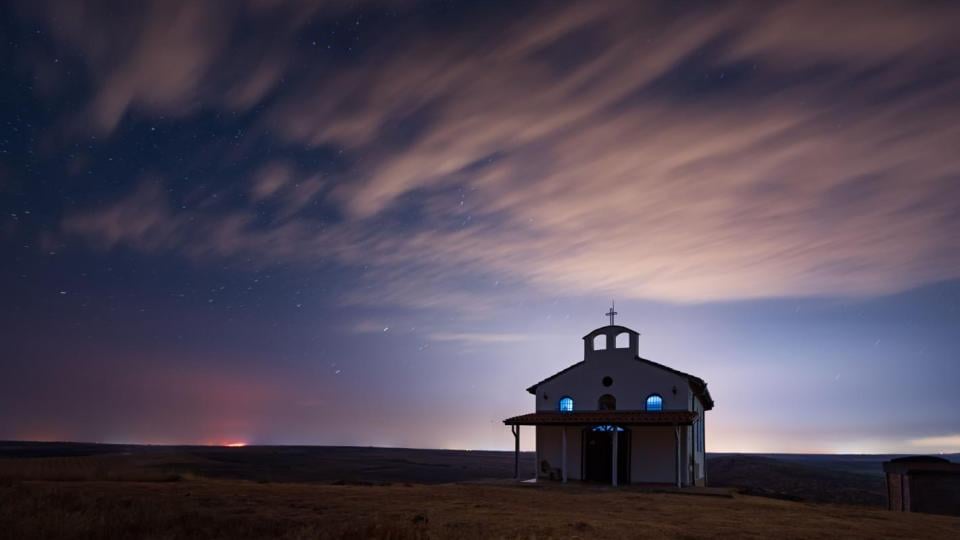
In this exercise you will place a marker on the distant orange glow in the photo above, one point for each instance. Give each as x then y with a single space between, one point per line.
236 444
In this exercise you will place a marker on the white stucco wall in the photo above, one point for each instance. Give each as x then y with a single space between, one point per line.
550 448
633 382
653 456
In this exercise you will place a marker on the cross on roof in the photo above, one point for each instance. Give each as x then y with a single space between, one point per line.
611 313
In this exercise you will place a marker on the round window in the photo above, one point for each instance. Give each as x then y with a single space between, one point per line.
607 381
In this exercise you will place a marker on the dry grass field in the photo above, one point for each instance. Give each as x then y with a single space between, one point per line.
200 508
164 493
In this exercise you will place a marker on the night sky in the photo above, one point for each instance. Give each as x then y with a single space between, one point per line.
377 223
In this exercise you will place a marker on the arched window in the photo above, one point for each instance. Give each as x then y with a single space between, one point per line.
566 404
623 340
654 403
599 342
607 403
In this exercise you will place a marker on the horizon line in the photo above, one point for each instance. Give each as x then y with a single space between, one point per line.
235 445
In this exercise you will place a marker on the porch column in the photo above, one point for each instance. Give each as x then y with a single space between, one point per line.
614 476
564 458
536 445
703 443
516 451
676 429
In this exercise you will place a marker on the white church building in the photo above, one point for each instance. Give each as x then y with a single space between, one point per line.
618 418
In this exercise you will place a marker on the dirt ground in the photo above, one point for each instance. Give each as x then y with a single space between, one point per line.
205 508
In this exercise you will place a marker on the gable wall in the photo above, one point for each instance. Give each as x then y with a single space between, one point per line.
633 381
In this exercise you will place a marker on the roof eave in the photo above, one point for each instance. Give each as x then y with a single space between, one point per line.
552 418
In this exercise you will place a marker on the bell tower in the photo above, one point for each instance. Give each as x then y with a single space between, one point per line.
611 341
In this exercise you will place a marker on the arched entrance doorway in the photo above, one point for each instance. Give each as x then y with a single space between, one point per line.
598 454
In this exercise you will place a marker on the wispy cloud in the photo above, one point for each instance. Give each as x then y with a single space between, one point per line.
480 337
270 179
369 327
175 57
815 167
945 443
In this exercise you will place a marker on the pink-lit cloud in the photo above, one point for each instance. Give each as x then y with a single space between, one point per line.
169 58
587 177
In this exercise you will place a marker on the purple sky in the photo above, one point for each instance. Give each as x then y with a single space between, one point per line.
377 223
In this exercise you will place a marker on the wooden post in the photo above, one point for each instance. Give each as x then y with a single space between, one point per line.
615 440
536 445
564 456
676 429
703 444
516 451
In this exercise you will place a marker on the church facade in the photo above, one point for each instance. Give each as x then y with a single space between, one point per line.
618 418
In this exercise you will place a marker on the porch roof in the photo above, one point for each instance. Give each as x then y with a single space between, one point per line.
586 418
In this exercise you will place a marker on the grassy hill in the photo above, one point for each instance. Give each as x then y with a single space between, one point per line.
200 508
798 481
100 491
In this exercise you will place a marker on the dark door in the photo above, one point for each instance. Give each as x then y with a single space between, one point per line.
598 455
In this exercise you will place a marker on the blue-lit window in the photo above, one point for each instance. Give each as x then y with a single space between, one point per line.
566 404
654 403
607 428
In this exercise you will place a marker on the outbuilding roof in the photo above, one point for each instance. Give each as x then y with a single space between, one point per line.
628 418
